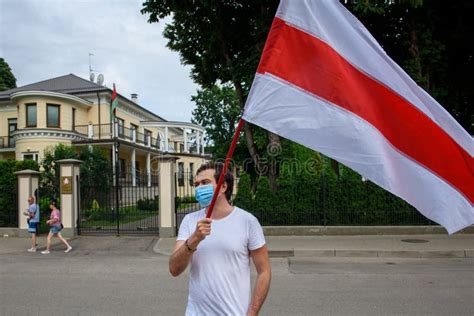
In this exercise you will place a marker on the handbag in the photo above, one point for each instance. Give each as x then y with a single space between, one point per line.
62 226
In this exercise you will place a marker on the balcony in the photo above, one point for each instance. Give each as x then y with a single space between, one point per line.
7 143
106 132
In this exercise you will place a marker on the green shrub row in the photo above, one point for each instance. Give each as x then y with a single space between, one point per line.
325 199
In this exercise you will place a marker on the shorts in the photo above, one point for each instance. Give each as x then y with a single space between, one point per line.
55 229
33 227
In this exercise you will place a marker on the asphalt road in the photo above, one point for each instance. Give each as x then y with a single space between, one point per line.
122 276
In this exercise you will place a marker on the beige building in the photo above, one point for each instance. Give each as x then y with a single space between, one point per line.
74 111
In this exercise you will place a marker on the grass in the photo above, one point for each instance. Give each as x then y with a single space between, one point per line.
107 217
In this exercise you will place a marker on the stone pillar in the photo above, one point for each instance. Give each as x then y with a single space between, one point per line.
166 140
90 130
198 142
148 168
69 194
28 182
134 170
185 137
167 189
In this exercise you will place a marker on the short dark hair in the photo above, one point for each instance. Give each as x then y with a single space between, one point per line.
228 177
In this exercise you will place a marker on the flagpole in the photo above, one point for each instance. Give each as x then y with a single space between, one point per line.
226 164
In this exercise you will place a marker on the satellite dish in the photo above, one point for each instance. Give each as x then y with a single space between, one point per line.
91 76
100 79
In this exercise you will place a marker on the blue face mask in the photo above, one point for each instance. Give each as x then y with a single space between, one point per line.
203 194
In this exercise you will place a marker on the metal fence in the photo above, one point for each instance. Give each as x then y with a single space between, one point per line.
328 201
315 201
132 207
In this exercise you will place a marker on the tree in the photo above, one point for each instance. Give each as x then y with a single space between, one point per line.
7 79
50 167
96 171
222 41
217 110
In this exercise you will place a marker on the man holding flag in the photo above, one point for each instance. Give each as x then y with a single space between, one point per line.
219 248
324 82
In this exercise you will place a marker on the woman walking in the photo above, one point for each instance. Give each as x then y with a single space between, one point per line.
56 227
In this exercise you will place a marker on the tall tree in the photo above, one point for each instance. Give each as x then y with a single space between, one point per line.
222 41
217 109
7 79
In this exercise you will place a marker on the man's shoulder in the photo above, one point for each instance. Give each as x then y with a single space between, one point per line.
245 214
196 215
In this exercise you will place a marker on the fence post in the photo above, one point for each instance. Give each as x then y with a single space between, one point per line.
69 194
167 189
28 183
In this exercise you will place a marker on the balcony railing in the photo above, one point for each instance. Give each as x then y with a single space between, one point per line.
7 142
105 131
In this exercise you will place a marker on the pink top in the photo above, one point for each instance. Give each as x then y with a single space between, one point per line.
56 216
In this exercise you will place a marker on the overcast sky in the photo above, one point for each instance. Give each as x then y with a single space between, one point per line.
43 39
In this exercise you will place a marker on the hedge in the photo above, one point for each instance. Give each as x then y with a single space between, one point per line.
9 189
325 199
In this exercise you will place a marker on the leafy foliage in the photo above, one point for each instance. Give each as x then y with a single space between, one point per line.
9 189
217 109
324 199
50 174
96 172
7 79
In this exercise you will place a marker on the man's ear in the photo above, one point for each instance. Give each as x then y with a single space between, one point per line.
224 187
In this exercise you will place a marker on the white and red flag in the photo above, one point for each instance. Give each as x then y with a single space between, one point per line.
324 82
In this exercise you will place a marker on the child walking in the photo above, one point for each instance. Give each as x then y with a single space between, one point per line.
56 227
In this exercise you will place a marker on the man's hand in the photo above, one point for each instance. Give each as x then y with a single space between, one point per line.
183 251
203 229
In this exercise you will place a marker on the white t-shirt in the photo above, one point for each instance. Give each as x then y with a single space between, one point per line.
219 281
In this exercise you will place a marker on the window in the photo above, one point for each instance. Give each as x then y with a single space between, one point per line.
181 174
53 115
12 126
73 119
191 174
30 156
31 115
121 125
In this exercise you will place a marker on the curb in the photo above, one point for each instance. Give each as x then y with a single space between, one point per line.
372 253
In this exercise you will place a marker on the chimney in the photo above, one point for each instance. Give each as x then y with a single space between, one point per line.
134 97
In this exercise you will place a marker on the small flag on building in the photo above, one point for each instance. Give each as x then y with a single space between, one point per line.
113 105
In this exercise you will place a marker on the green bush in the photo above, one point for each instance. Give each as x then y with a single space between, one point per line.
324 199
147 204
9 189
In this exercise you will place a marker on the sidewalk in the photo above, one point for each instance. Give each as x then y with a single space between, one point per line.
393 246
14 245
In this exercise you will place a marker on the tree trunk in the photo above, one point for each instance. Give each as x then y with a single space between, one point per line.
240 92
415 50
274 149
